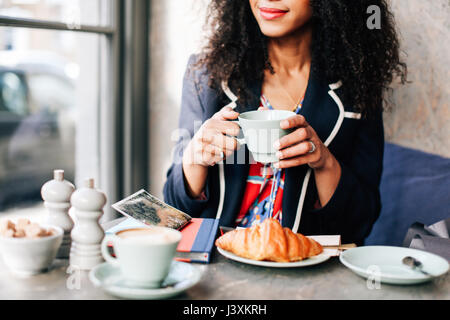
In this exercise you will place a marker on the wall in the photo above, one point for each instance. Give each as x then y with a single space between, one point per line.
420 117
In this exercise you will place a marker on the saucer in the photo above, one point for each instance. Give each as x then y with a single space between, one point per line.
182 276
385 263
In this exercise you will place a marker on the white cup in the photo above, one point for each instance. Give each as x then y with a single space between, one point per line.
144 255
261 129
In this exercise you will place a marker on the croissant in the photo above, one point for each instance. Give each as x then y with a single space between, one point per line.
269 241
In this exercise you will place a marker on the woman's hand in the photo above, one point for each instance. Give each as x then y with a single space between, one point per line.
297 148
302 146
213 140
209 146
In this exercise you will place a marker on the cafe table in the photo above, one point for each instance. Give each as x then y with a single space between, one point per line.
224 279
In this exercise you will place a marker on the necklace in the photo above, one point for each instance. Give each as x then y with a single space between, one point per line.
287 93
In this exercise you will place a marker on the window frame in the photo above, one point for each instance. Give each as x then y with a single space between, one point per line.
6 21
123 99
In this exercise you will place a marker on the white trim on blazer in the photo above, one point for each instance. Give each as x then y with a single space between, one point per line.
342 114
337 126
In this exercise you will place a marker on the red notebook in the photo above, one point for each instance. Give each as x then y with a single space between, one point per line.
198 240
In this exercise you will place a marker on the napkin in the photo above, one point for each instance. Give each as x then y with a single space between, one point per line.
434 238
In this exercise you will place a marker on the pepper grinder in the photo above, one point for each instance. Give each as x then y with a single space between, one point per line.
87 235
56 194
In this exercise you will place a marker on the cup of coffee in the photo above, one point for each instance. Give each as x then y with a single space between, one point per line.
144 255
261 129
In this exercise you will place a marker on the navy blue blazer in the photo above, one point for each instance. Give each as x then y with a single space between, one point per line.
356 142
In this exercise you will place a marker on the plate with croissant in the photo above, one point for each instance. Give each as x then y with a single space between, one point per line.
268 244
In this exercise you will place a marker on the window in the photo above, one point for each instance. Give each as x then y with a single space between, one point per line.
60 75
75 12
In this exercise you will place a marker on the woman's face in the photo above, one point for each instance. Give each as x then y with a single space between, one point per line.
279 18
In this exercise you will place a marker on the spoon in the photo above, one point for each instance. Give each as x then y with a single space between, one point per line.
414 264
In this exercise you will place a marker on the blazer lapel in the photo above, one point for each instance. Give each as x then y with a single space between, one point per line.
321 116
318 108
237 166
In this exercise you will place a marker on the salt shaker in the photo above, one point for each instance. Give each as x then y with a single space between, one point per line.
56 194
87 234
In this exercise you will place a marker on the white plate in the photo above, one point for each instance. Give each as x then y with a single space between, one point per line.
182 276
304 263
385 264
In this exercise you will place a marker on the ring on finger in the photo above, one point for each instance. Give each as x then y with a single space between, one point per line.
313 146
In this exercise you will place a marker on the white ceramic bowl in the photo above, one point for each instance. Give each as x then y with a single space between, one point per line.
26 257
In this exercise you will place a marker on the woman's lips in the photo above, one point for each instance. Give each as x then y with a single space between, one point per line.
271 13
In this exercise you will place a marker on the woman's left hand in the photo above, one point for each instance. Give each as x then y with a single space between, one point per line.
302 146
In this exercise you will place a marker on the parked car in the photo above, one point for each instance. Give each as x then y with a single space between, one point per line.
37 125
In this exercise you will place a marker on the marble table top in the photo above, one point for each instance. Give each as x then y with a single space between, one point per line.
224 279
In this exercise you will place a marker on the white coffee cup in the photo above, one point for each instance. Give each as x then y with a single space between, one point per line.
261 130
144 255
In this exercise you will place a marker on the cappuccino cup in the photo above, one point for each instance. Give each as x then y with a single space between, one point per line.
144 255
261 129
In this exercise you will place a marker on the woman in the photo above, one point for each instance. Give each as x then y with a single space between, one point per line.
317 58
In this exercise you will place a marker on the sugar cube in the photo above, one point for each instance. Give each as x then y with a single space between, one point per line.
33 230
6 225
22 223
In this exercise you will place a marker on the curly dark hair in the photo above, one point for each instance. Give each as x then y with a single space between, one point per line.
343 48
